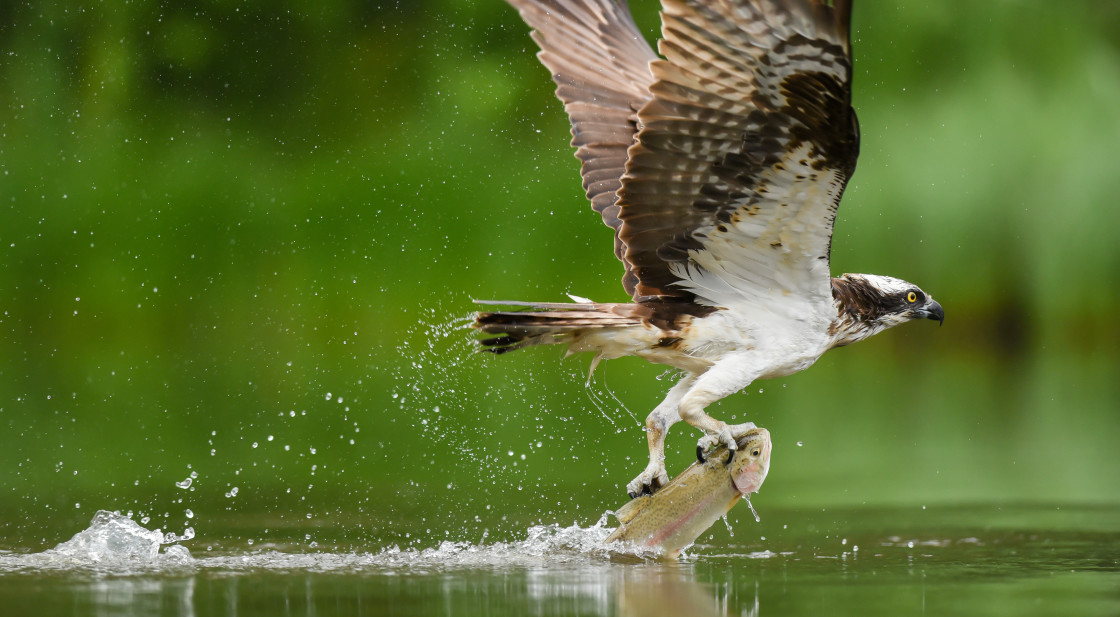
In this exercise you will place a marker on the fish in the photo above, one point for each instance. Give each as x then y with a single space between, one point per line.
671 519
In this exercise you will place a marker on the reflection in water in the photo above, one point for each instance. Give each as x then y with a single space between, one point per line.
665 590
607 589
629 590
125 597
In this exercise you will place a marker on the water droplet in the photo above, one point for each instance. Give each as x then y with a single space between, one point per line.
757 519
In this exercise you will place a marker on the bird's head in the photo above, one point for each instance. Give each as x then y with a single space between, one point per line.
869 303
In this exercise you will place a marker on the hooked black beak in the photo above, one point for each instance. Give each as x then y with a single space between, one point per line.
933 310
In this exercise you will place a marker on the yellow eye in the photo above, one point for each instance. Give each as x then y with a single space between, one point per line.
911 297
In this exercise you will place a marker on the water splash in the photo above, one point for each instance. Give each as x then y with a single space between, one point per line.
599 403
112 541
186 483
115 543
757 518
111 537
544 545
618 400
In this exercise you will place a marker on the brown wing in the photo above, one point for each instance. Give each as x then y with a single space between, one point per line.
600 64
732 186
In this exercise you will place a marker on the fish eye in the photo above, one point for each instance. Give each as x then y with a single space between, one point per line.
755 452
911 297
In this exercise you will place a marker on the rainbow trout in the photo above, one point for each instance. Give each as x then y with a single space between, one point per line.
673 517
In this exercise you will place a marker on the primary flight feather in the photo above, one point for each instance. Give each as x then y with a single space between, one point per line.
719 165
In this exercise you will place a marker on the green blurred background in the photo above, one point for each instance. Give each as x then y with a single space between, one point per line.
240 240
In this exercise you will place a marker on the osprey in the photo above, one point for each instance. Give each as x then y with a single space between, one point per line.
720 167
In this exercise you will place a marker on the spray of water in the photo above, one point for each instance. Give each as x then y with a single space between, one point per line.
757 519
114 543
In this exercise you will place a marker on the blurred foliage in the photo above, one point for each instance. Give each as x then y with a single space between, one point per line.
241 238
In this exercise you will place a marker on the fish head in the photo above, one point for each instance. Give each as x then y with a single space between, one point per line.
751 461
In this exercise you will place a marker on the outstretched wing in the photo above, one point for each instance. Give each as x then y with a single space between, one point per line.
745 148
600 64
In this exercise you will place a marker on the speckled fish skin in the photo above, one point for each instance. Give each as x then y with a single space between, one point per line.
673 517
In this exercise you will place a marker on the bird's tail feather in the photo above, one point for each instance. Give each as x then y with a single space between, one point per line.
547 323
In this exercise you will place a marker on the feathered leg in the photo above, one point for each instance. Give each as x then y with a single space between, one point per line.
728 376
658 422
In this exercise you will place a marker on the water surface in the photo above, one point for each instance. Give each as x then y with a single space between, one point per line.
975 560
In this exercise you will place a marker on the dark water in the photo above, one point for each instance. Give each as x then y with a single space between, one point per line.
977 560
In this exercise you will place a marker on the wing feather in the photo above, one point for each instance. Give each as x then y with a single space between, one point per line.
720 167
600 64
732 184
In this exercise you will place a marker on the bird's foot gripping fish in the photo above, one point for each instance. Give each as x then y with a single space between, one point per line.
673 517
